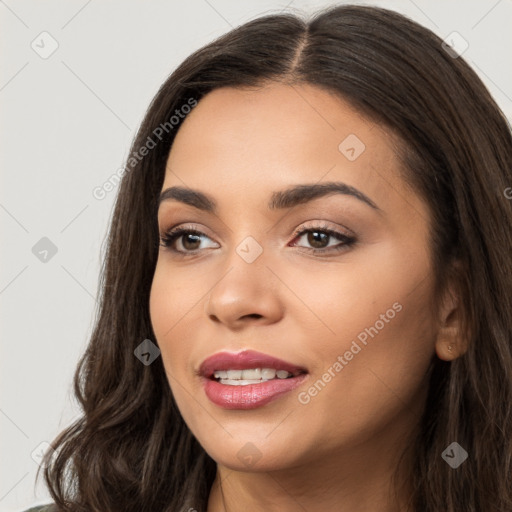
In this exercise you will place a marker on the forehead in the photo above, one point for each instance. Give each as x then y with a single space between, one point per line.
276 121
246 143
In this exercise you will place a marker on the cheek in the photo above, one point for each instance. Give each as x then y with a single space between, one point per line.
175 293
173 303
373 370
371 313
176 307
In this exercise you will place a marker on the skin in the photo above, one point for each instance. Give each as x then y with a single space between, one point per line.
341 448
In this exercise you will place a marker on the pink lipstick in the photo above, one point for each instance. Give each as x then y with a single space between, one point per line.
248 379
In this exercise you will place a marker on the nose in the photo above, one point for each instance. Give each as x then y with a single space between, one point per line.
246 293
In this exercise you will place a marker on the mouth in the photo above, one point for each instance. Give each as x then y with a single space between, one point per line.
248 365
248 379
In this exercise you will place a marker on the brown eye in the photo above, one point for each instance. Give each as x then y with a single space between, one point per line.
318 238
190 241
183 240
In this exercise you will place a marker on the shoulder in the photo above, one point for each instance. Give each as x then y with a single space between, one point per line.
42 508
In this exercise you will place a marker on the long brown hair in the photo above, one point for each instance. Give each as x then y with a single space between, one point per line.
131 449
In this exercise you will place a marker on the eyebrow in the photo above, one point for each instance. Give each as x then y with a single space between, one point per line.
288 198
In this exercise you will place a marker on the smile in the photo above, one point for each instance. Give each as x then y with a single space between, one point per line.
248 379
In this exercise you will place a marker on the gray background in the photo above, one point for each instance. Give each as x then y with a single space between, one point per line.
68 121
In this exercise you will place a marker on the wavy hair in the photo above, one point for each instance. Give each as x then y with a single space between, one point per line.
131 450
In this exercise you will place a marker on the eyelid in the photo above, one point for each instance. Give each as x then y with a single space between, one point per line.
324 225
188 226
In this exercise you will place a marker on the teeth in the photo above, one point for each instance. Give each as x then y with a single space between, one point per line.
268 373
249 376
240 382
253 374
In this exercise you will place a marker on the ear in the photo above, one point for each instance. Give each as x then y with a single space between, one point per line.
451 342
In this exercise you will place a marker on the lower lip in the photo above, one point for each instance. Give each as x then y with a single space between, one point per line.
250 396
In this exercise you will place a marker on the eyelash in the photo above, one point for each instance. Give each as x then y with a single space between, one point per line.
174 234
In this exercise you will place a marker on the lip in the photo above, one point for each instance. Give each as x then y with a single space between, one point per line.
248 396
245 360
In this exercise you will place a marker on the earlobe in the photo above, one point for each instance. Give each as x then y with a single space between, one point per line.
450 343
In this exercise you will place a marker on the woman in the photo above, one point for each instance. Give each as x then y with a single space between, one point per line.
307 293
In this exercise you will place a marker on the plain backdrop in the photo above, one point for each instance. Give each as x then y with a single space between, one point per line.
68 118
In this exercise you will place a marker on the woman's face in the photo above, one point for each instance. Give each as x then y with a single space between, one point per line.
349 309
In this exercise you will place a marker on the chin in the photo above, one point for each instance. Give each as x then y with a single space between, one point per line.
252 454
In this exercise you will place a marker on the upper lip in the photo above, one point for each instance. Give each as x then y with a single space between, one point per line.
245 360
